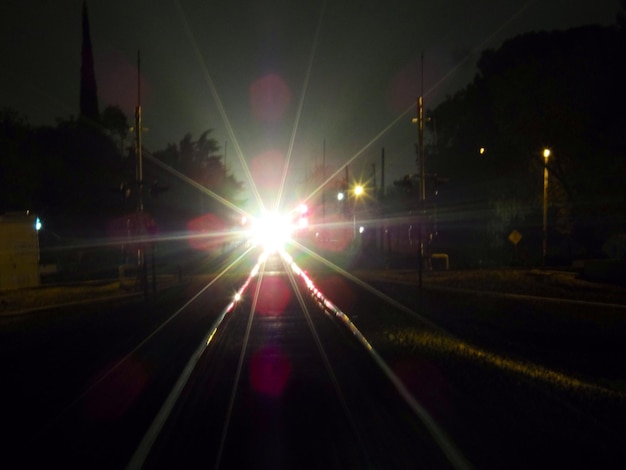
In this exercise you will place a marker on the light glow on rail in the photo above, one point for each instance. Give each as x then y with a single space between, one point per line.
324 302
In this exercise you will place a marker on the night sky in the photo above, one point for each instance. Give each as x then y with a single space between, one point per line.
272 78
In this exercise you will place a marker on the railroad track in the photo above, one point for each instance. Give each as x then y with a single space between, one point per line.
257 368
283 379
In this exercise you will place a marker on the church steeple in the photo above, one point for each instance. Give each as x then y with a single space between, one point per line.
88 88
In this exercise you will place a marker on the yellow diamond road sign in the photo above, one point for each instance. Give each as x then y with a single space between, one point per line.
515 237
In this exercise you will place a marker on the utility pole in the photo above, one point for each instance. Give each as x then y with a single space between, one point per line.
346 195
544 241
420 140
374 178
382 196
382 173
141 250
225 156
324 187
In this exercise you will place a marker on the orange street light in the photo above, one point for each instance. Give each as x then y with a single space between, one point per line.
544 248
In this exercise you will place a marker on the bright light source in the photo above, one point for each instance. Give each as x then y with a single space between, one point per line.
38 224
271 231
340 196
546 153
358 190
482 150
361 229
303 209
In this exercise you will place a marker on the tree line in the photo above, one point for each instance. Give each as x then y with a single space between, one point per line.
560 90
79 174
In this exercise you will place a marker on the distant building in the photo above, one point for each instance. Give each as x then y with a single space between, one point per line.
19 251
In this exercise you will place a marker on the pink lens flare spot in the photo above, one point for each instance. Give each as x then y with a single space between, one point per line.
333 236
113 396
274 296
337 289
426 383
207 232
269 97
267 170
270 370
117 82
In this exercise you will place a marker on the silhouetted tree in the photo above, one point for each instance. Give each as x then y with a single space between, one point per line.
193 155
20 164
621 15
198 160
115 121
562 90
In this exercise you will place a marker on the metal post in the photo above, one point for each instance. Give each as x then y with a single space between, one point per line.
420 225
420 158
375 190
382 173
544 247
154 282
324 189
141 252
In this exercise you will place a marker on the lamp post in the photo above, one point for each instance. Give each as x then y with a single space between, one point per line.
419 119
544 247
358 191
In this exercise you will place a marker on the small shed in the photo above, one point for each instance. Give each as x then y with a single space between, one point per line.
19 250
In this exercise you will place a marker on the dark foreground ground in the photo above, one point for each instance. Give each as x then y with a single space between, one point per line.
561 284
518 381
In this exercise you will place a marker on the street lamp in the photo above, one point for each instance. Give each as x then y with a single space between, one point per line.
546 155
358 191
